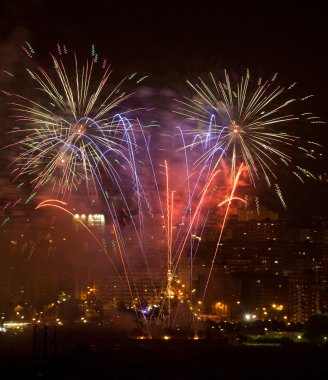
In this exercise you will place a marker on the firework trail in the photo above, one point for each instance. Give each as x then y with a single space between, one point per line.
60 205
189 215
230 199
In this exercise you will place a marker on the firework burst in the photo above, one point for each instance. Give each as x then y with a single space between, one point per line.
246 122
73 128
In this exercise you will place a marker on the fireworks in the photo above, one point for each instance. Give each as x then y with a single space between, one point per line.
246 121
73 128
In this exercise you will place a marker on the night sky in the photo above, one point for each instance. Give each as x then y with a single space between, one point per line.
181 38
174 42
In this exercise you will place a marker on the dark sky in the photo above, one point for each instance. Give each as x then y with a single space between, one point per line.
170 41
182 38
288 37
175 41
